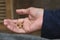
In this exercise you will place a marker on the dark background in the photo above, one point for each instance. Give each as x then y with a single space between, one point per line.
52 4
46 4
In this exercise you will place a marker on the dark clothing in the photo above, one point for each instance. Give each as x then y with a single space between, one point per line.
51 24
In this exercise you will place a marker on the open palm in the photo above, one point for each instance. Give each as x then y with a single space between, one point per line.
31 23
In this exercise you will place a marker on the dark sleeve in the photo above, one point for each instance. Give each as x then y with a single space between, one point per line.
51 24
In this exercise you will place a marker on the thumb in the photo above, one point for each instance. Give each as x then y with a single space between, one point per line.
22 11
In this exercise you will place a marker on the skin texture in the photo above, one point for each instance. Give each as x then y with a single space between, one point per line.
30 24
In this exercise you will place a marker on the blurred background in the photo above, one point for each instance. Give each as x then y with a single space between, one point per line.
8 10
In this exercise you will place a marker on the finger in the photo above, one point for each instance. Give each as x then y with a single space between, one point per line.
6 21
20 20
13 27
22 11
12 20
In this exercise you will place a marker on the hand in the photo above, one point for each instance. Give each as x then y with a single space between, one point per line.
32 23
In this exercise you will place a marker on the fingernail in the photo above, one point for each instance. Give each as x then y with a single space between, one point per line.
5 22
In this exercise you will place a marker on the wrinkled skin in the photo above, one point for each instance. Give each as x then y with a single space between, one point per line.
31 23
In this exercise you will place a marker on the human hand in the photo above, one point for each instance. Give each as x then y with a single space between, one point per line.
31 23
